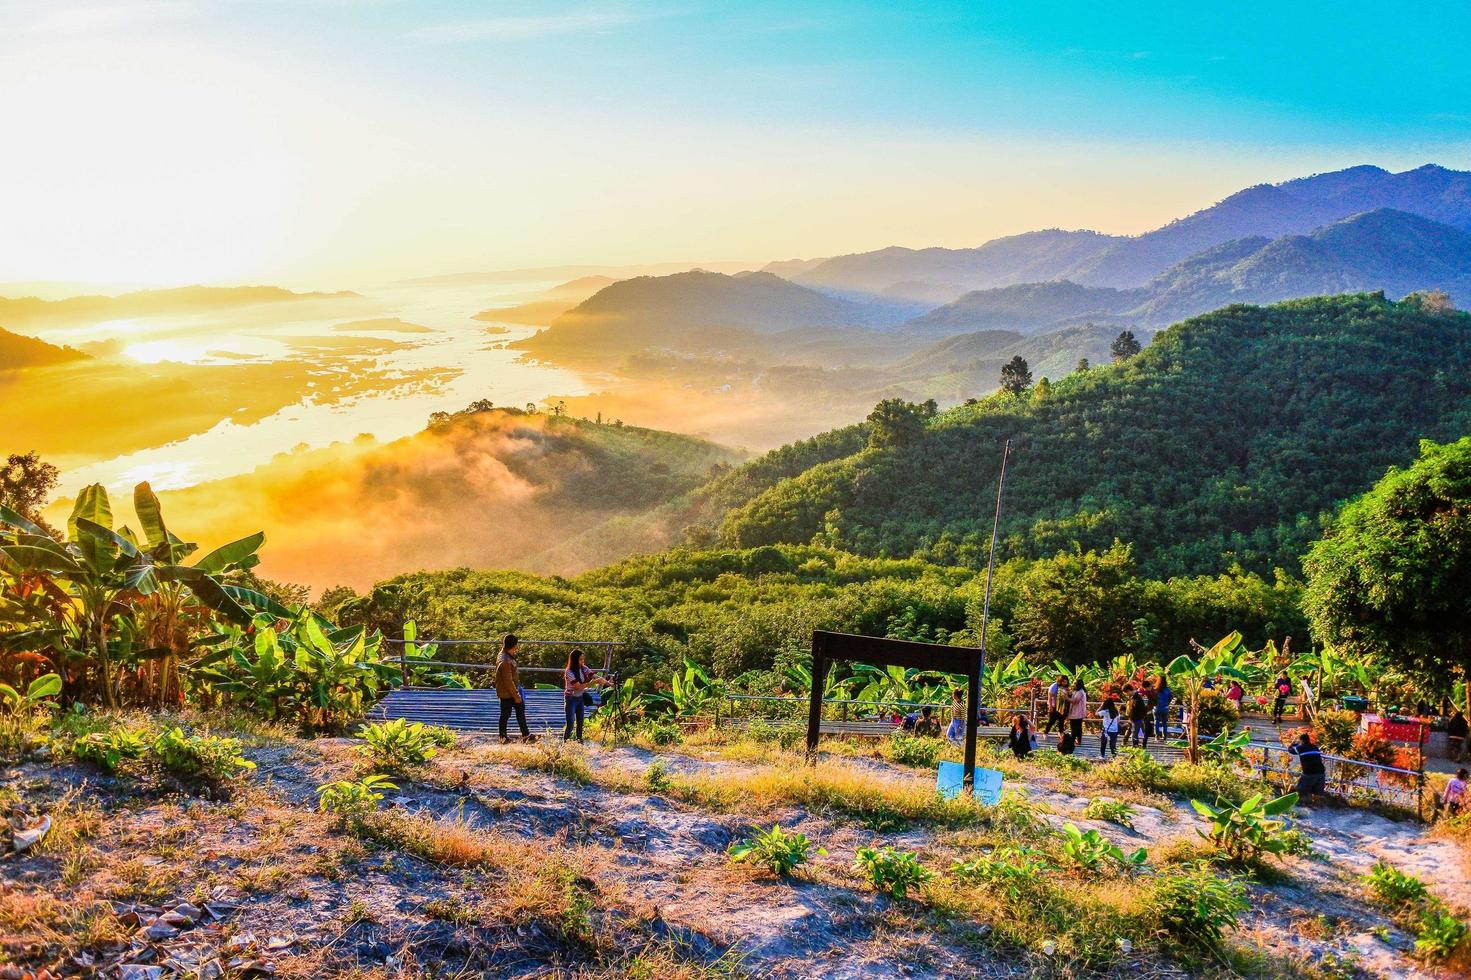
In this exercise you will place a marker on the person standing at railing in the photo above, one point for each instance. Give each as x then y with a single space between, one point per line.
508 689
576 679
1314 774
1162 709
1055 695
1076 712
1139 712
1109 738
956 731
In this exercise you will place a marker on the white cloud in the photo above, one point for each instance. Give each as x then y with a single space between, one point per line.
525 26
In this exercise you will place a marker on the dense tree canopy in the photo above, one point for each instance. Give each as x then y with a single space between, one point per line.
1227 441
1392 577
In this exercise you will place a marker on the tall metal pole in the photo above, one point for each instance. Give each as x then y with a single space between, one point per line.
972 721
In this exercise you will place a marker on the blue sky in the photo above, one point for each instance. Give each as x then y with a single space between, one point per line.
360 138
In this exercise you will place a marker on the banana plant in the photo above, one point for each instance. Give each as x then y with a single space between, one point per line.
799 681
1193 672
94 583
690 691
338 671
264 682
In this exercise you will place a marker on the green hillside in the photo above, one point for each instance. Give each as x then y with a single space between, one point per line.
1222 443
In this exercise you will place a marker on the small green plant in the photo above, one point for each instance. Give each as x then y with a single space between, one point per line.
1135 769
889 871
657 778
780 850
1090 850
662 733
37 695
107 750
205 757
1011 869
1244 832
1114 811
1394 887
920 751
1439 933
351 800
24 715
1197 905
1334 731
399 745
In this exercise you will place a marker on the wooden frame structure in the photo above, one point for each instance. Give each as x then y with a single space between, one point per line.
828 648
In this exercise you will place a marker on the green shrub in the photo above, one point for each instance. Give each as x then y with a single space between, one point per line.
1197 905
1217 715
351 800
206 757
1114 811
1089 850
1394 887
920 751
781 851
1334 731
398 745
1439 933
1209 781
1244 832
663 733
1056 761
107 750
889 871
1135 769
656 777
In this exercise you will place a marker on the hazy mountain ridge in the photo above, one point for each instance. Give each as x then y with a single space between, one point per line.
182 299
1027 307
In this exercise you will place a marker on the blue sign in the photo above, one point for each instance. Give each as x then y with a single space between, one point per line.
951 781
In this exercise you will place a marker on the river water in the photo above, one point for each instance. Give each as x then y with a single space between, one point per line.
468 361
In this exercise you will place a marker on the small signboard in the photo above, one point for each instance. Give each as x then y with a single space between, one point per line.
951 782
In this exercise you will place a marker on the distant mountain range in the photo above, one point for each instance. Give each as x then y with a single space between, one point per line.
700 310
1388 250
1089 258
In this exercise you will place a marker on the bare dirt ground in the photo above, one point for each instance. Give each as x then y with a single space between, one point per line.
140 882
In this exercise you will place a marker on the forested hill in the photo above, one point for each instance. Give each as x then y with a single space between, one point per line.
1223 442
19 351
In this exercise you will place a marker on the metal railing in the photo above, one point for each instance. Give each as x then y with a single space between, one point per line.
1352 780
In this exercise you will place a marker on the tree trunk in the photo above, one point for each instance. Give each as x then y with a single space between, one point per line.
1192 737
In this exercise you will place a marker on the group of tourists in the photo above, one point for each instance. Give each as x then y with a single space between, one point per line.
578 680
1141 711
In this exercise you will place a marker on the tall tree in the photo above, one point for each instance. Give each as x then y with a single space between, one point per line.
26 482
1083 364
1124 346
1389 577
1016 377
896 422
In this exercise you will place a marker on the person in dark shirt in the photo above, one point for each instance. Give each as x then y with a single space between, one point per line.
1139 711
1310 783
1021 737
1283 687
1455 736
